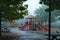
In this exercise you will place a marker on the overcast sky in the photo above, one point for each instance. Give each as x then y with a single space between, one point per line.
32 6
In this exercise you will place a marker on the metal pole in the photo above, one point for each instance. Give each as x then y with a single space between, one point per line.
49 19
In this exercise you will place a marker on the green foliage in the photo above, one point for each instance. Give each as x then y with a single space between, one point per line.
44 16
55 13
55 4
10 9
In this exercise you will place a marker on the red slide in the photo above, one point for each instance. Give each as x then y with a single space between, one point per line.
46 29
24 26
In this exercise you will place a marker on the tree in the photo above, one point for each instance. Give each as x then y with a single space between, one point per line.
12 9
55 8
55 4
44 16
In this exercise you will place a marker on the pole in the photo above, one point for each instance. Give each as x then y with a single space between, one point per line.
49 19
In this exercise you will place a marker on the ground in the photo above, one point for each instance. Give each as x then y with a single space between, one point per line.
26 35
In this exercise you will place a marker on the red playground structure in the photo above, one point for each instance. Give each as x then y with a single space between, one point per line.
33 23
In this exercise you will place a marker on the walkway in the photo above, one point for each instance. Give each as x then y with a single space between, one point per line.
25 35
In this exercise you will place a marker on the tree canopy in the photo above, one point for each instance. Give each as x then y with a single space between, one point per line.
12 9
43 12
55 4
44 16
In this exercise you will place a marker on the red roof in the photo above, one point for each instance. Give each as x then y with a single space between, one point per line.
30 16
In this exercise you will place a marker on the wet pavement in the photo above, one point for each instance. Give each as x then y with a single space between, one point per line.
26 35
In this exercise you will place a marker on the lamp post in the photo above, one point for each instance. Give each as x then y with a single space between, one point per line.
49 19
49 16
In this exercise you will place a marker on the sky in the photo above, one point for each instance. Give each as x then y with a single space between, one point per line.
32 6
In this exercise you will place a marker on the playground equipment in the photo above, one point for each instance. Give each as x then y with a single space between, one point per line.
32 24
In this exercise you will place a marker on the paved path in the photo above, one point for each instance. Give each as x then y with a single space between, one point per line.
25 35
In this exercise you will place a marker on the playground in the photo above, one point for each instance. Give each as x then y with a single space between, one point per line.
33 29
33 24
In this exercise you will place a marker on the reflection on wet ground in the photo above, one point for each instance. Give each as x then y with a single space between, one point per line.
31 39
25 35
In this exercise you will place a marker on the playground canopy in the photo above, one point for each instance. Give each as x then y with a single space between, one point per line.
30 17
